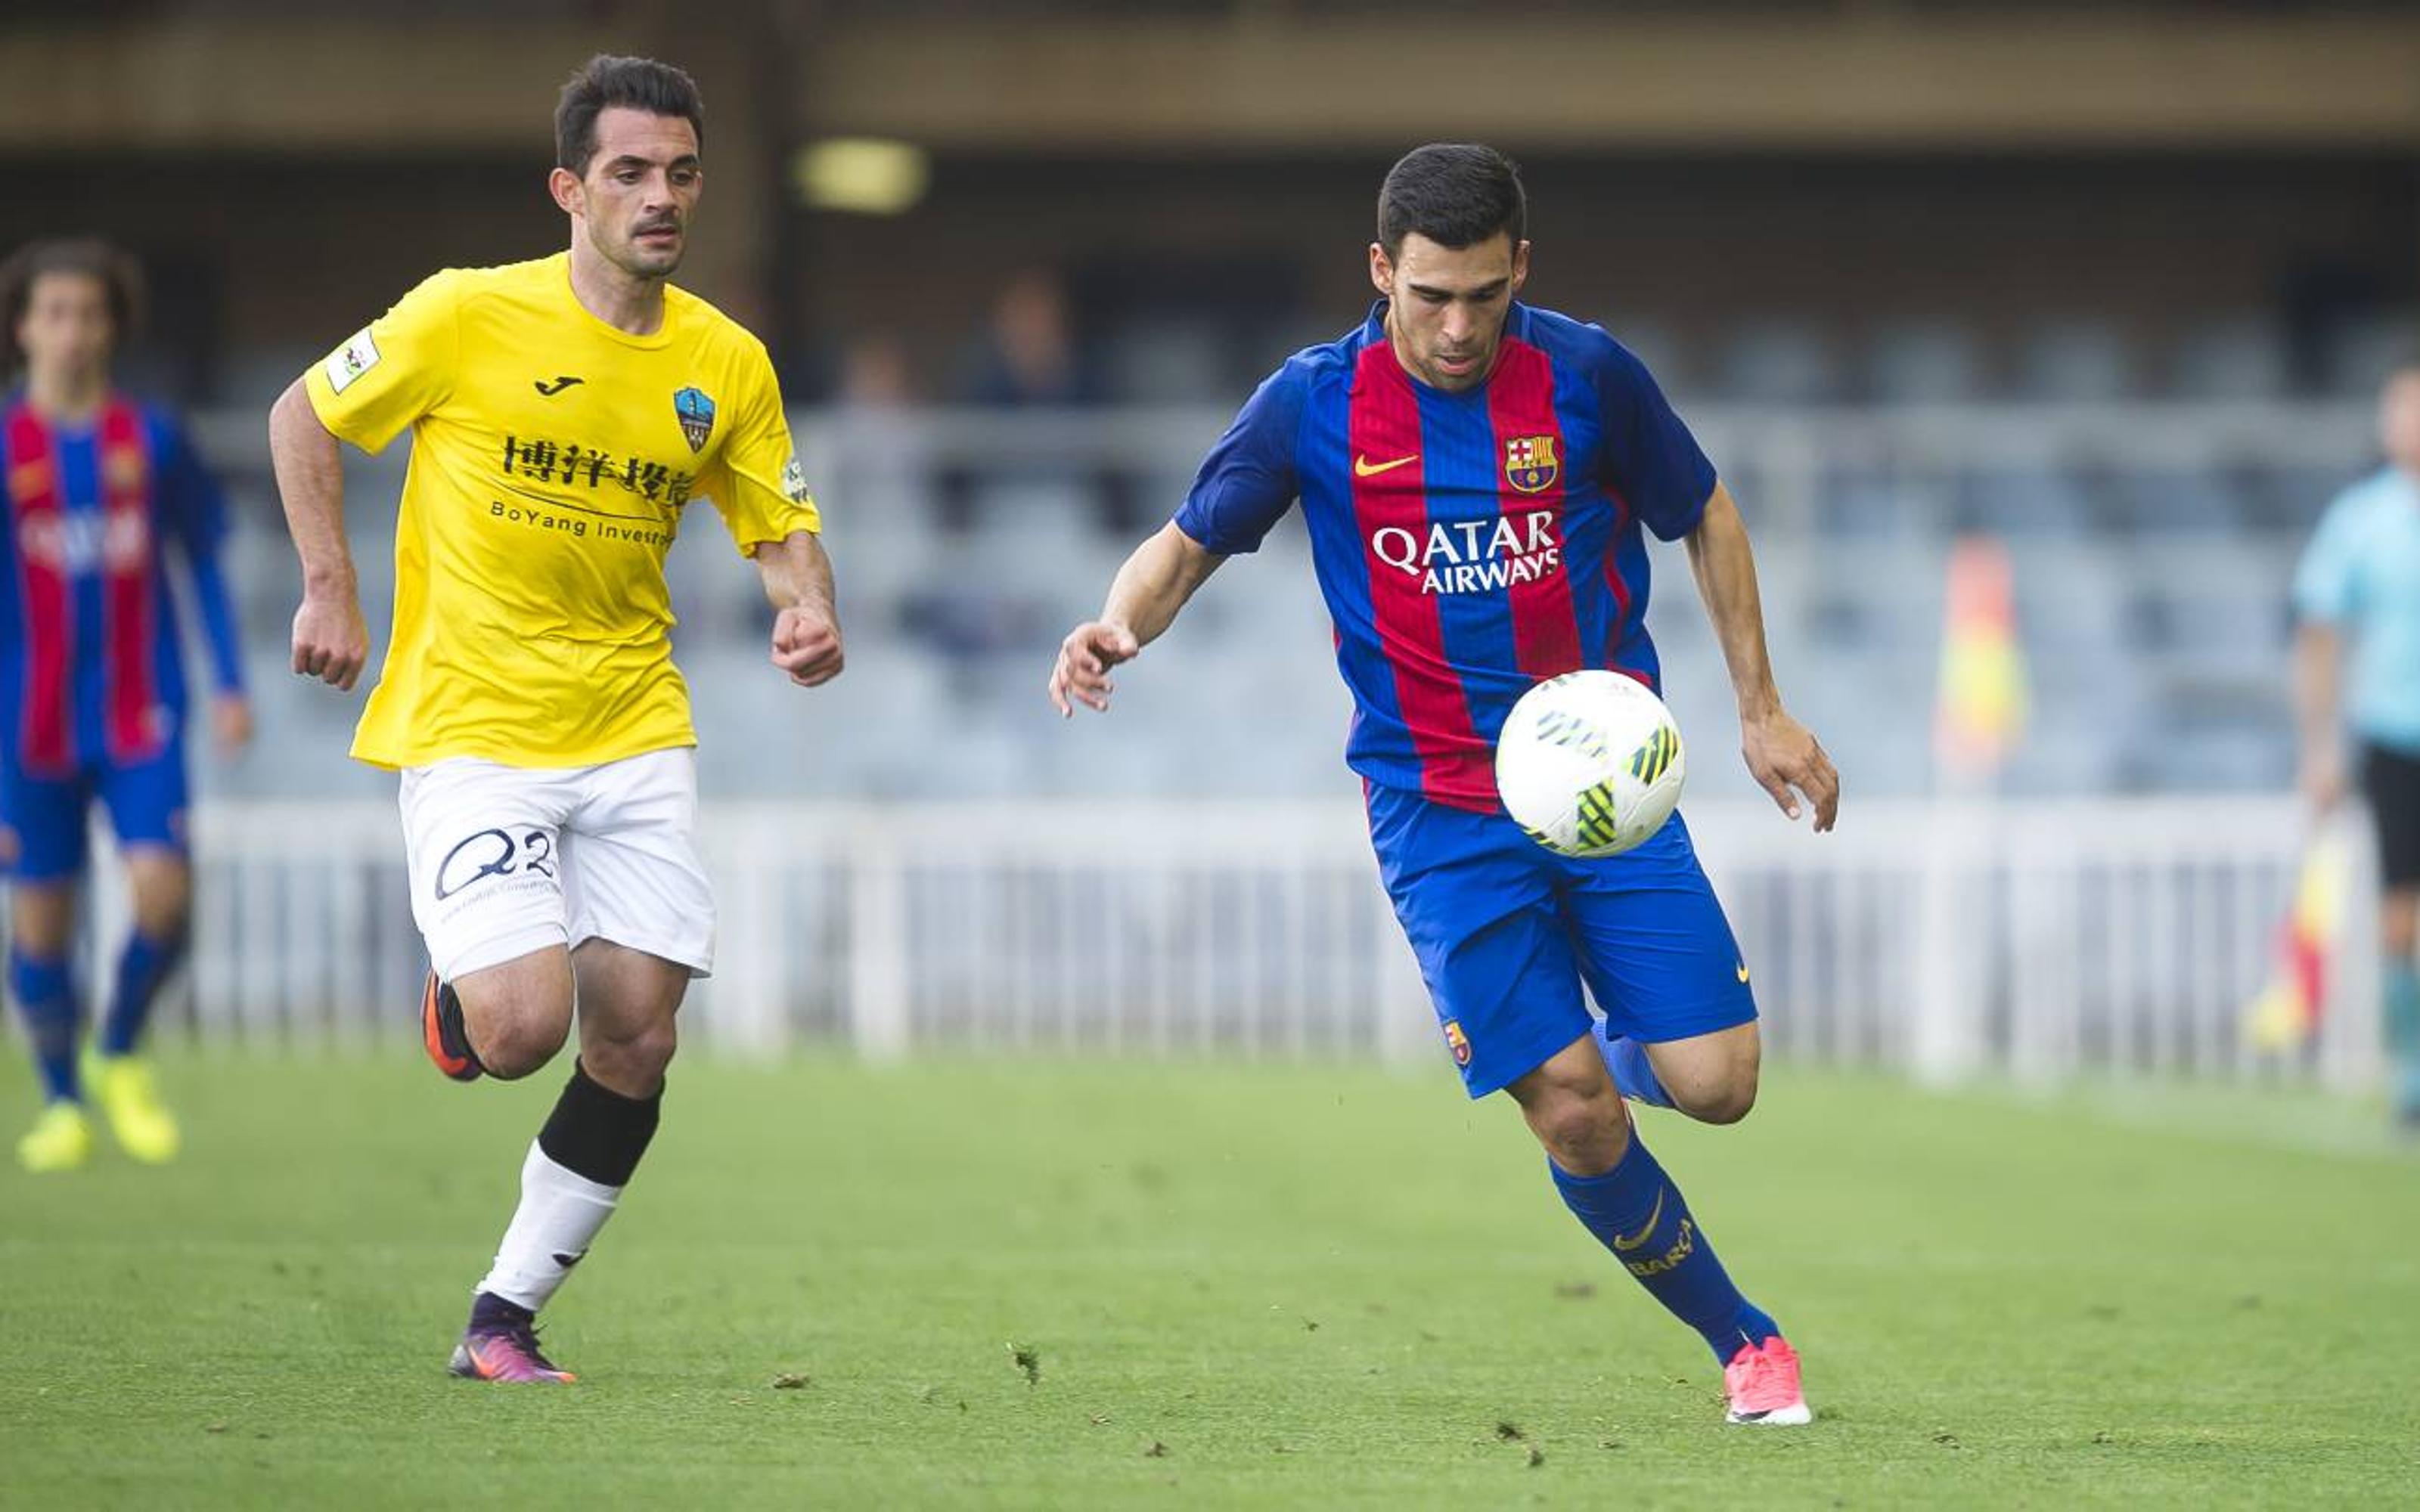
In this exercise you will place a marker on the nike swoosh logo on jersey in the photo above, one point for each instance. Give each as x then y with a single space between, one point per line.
1626 1245
561 381
1743 971
1364 468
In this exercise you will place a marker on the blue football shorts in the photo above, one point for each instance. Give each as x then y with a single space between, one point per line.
42 819
1506 932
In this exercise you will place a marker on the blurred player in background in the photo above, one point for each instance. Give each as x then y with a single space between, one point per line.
1474 473
563 413
92 680
2359 582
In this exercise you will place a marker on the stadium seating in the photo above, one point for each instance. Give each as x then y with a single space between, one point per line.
2150 579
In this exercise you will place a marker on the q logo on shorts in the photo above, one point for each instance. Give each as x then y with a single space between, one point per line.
486 854
491 853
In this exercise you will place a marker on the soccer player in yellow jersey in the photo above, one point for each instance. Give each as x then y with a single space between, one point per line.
564 413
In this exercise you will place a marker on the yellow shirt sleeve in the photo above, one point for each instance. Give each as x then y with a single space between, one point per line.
756 483
392 371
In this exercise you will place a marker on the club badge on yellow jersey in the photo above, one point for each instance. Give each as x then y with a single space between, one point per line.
696 411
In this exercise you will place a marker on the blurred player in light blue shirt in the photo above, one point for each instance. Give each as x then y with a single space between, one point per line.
2359 582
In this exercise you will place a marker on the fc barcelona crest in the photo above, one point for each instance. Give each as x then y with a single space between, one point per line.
1529 464
122 467
696 411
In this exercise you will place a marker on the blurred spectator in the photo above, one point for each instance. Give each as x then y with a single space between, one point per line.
2360 582
1029 357
1027 354
877 467
875 374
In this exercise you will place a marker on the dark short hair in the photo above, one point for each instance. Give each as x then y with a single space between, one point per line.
120 275
1455 193
636 82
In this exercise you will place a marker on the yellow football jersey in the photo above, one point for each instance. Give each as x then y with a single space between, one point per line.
551 458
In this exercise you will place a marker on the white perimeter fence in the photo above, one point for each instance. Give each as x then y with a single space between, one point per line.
2036 940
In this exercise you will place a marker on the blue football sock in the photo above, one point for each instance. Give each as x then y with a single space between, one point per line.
2401 981
1634 1075
1636 1212
46 998
141 970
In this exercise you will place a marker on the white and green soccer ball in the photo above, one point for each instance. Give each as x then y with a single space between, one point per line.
1590 763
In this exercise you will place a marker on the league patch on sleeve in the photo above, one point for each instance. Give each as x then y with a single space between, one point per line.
793 480
350 361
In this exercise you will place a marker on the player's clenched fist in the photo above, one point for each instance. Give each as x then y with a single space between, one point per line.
806 644
331 643
1085 658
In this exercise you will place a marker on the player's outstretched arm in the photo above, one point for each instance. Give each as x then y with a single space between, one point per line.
331 643
1781 753
198 510
806 628
1144 599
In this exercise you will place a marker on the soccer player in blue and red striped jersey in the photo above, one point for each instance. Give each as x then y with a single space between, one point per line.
1477 475
98 488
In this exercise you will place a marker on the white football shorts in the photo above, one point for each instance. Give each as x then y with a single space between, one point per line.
505 860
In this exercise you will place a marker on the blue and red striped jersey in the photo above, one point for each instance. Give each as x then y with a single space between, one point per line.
1469 544
90 670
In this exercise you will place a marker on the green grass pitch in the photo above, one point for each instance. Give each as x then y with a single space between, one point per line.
1033 1284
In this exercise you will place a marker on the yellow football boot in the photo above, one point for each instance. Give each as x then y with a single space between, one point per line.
129 1095
60 1140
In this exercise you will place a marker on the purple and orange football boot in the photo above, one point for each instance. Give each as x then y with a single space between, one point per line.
442 1033
501 1344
